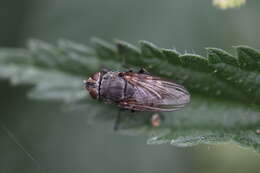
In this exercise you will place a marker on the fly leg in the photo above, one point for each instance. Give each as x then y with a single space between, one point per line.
143 71
118 118
121 74
104 70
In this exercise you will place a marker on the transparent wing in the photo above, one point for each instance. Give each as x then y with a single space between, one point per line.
154 93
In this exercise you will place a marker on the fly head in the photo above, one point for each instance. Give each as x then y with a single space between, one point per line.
92 84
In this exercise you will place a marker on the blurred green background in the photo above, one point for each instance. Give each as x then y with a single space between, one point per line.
66 142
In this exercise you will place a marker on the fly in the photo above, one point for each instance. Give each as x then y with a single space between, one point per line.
137 91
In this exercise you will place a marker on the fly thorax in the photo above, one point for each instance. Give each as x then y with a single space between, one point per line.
112 87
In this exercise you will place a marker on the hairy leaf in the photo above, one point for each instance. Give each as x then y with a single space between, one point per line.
225 89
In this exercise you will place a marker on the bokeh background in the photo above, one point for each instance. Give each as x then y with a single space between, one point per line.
64 142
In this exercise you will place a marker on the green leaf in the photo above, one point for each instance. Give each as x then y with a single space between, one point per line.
172 56
195 62
225 89
249 58
219 56
128 53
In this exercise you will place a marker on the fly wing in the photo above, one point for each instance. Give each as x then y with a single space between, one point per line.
154 93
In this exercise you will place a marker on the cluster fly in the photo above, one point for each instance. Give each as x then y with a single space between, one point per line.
137 91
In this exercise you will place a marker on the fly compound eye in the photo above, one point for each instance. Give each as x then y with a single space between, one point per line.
93 93
90 84
95 76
